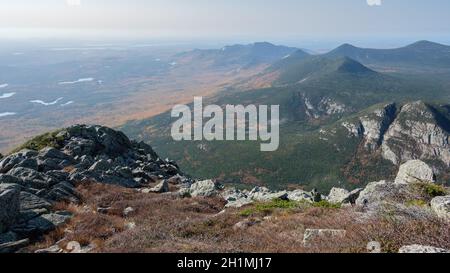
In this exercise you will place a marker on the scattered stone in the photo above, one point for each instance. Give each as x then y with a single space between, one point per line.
13 246
263 194
415 249
130 225
236 198
206 188
245 224
76 248
342 196
313 235
415 171
128 211
299 196
441 206
162 187
51 250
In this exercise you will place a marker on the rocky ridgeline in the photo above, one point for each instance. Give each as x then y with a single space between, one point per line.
31 182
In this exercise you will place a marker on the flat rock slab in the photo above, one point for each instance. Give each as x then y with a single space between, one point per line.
46 222
312 236
13 246
421 249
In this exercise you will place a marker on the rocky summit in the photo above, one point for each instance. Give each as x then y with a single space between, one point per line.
48 171
33 181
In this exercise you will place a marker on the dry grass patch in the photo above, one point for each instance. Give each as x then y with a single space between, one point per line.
167 223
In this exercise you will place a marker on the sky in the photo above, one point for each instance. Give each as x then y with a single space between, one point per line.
214 19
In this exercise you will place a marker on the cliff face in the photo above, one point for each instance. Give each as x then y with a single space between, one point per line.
375 125
420 131
415 130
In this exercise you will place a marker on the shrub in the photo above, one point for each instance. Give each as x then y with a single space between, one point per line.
42 141
431 190
269 207
326 204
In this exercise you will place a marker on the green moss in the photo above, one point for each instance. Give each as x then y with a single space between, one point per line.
431 190
46 140
326 204
269 207
416 203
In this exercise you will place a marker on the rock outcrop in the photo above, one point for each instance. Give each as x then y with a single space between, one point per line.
319 107
377 192
376 124
420 131
415 171
32 181
402 133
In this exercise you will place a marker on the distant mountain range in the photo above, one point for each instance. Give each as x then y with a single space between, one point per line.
343 123
422 55
242 56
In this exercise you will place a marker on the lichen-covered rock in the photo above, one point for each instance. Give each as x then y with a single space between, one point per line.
420 249
415 171
236 198
263 194
206 188
343 196
441 206
376 193
300 195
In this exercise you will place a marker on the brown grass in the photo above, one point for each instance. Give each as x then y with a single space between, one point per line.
166 223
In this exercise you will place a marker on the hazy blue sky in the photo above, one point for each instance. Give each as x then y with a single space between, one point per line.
272 19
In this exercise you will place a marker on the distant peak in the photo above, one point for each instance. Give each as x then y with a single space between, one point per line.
263 44
346 47
348 65
425 44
